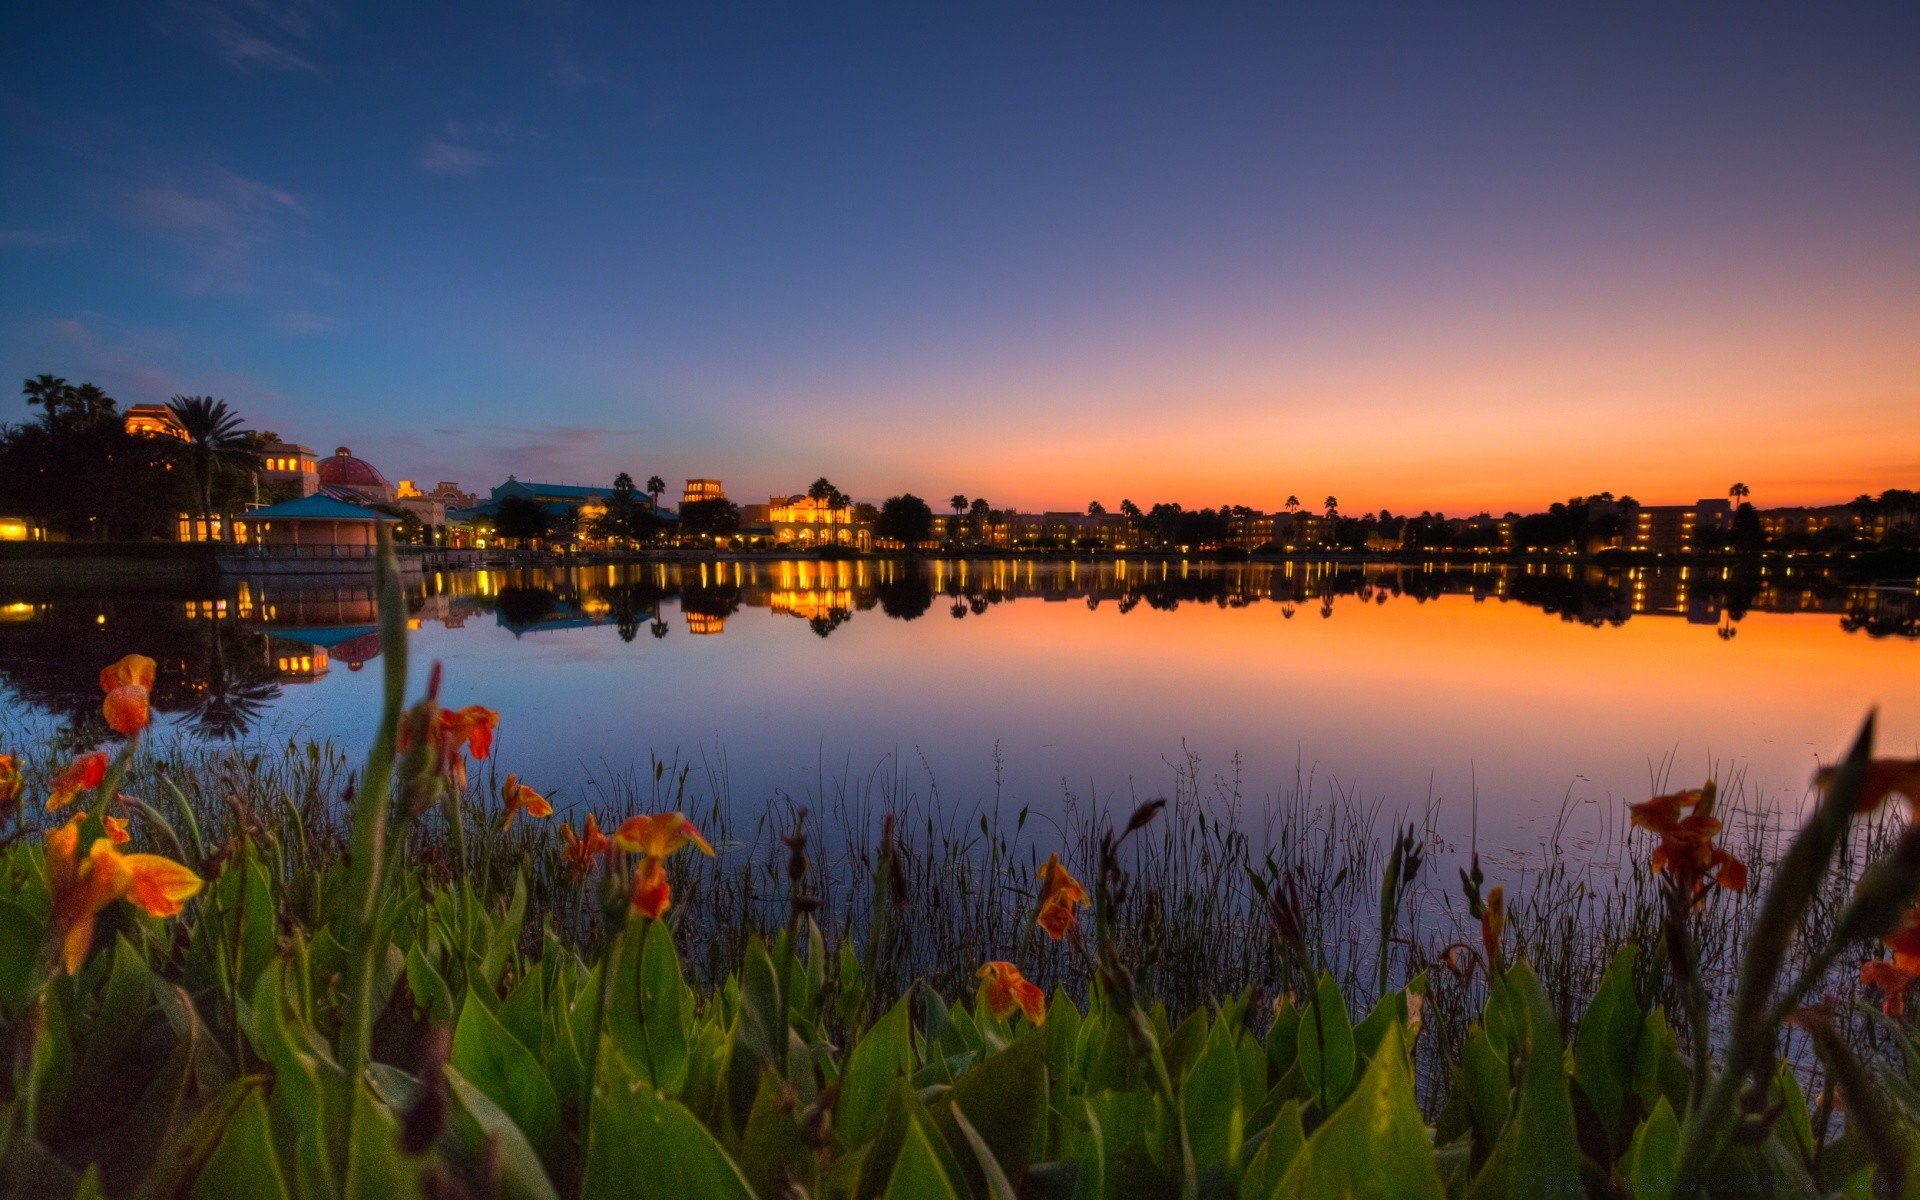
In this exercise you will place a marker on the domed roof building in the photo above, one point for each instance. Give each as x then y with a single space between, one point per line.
353 479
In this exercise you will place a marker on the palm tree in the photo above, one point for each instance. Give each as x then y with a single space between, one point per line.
1293 505
978 512
958 503
216 444
50 392
1333 508
656 485
1738 492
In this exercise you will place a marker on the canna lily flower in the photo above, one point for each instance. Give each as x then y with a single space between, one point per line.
83 774
1493 921
653 838
1894 977
116 829
659 835
1885 777
1686 843
1059 894
585 846
10 782
518 797
83 887
472 725
1008 989
126 682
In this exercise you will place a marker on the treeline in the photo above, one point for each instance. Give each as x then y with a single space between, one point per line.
75 471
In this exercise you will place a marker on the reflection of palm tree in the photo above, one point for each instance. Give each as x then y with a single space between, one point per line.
658 628
216 444
231 700
958 610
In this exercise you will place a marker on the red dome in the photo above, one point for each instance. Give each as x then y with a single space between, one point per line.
344 470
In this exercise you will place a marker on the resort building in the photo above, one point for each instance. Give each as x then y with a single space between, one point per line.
1778 522
702 489
287 463
803 522
154 420
1674 528
318 531
353 480
557 498
21 529
431 508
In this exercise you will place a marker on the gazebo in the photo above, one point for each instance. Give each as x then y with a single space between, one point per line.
313 533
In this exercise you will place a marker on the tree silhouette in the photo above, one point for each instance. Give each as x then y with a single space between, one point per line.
1738 492
656 485
905 519
1333 508
217 446
520 519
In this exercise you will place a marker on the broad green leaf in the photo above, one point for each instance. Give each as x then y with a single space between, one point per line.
1279 1146
641 1144
1090 1181
1325 1040
1210 1096
1283 1038
495 1062
430 991
1005 1098
1653 1156
772 1152
487 1124
650 1010
1373 1145
1483 1084
21 936
1538 1155
377 1169
876 1060
917 1173
998 1186
244 1163
1608 1044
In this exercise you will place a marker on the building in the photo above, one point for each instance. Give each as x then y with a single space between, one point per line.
702 489
431 508
1677 528
318 532
21 529
1779 522
154 420
802 522
353 480
284 463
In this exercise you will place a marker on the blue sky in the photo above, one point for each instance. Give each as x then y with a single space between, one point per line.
1447 255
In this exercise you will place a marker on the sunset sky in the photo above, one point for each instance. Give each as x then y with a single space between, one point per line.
1452 257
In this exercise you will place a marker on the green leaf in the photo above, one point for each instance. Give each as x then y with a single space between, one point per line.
641 1144
1538 1154
495 1062
1325 1042
876 1060
651 1006
505 935
21 936
1482 1081
1608 1044
917 1173
772 1152
377 1169
1653 1156
1005 1098
998 1186
1278 1148
1373 1145
486 1124
1210 1095
430 991
244 1163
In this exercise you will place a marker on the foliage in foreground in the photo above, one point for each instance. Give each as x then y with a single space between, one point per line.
365 1033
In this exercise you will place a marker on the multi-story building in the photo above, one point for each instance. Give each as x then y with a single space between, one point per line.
290 464
354 480
1779 522
801 522
154 420
702 489
1677 528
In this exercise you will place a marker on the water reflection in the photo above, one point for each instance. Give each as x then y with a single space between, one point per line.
225 658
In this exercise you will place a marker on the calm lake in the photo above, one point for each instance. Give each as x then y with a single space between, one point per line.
1552 695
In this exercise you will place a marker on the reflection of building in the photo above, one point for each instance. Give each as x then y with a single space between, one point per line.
300 664
154 420
284 462
20 529
699 623
802 521
354 480
702 489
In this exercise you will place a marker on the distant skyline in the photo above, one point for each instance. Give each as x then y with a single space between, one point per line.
1451 258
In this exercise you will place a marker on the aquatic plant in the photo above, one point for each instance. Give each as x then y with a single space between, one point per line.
411 995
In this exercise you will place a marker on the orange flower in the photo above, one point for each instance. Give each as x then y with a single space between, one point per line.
116 829
126 709
519 797
1885 777
659 835
1893 980
1060 893
82 887
10 782
135 670
472 725
585 846
1008 989
652 894
1493 921
1686 843
654 838
83 774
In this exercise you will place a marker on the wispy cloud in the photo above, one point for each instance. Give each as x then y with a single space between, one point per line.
249 35
223 219
37 237
304 324
449 158
464 147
